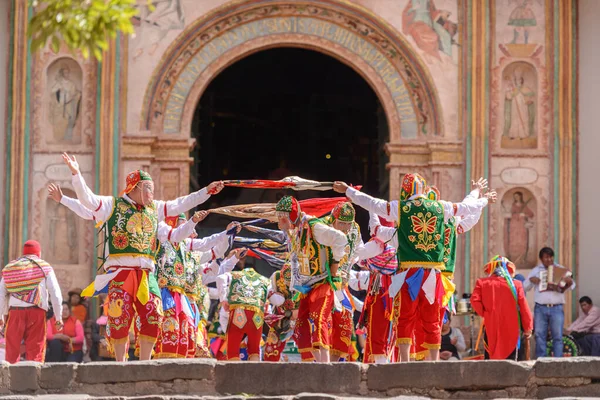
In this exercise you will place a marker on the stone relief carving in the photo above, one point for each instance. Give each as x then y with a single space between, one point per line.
520 106
519 208
63 101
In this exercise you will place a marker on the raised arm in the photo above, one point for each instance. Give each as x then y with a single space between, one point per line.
207 243
100 206
185 203
386 209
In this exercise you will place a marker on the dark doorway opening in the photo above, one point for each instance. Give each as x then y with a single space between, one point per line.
284 112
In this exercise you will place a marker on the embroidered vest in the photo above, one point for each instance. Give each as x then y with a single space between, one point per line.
171 270
313 259
131 232
248 290
193 278
203 301
345 265
421 234
450 245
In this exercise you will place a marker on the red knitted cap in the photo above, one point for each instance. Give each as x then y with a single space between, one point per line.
32 247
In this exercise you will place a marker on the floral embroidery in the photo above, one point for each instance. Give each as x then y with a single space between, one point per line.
120 240
446 237
179 268
424 225
162 281
141 228
412 238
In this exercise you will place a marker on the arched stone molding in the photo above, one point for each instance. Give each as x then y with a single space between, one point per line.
338 28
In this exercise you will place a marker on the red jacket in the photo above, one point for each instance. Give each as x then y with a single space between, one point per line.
493 299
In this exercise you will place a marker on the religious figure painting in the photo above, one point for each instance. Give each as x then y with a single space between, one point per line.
519 209
519 81
431 28
62 233
154 22
64 82
522 20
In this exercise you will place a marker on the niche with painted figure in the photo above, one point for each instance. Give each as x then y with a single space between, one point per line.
520 89
63 101
519 214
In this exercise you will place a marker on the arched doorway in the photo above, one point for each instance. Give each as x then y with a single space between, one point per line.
288 111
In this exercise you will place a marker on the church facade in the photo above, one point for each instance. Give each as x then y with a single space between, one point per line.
469 88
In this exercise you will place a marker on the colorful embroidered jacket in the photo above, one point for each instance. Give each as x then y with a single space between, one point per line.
132 232
450 231
313 259
248 290
171 268
194 286
421 234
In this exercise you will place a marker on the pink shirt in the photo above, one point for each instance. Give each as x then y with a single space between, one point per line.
589 322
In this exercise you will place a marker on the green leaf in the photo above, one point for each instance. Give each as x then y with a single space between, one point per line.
55 44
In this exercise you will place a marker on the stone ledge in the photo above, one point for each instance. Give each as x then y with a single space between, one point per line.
290 378
138 371
585 367
450 375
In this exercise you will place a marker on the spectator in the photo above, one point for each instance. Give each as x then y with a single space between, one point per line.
453 342
586 329
548 311
66 344
500 300
78 306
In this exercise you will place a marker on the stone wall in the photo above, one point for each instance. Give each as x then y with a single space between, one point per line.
455 380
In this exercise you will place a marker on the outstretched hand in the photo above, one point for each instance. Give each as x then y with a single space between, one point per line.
71 163
215 187
54 192
200 216
236 224
480 184
340 186
492 196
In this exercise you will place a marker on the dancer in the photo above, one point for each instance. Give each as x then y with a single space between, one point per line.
131 243
315 251
420 232
501 301
26 284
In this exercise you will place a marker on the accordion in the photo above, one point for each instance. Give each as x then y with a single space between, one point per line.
554 279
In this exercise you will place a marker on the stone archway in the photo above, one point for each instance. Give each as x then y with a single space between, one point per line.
337 28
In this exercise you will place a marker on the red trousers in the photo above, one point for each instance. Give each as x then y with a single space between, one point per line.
173 340
313 327
243 322
28 324
378 309
419 309
123 306
274 347
341 333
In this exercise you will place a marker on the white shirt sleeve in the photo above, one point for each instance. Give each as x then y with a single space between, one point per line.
100 206
209 271
386 209
213 293
55 294
223 286
328 236
528 285
175 235
207 243
4 298
370 249
76 206
458 209
181 204
228 265
359 280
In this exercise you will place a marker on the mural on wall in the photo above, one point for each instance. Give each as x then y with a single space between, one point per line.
154 22
522 19
520 213
520 91
64 82
431 28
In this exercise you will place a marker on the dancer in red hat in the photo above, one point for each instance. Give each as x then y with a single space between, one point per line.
131 244
25 287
